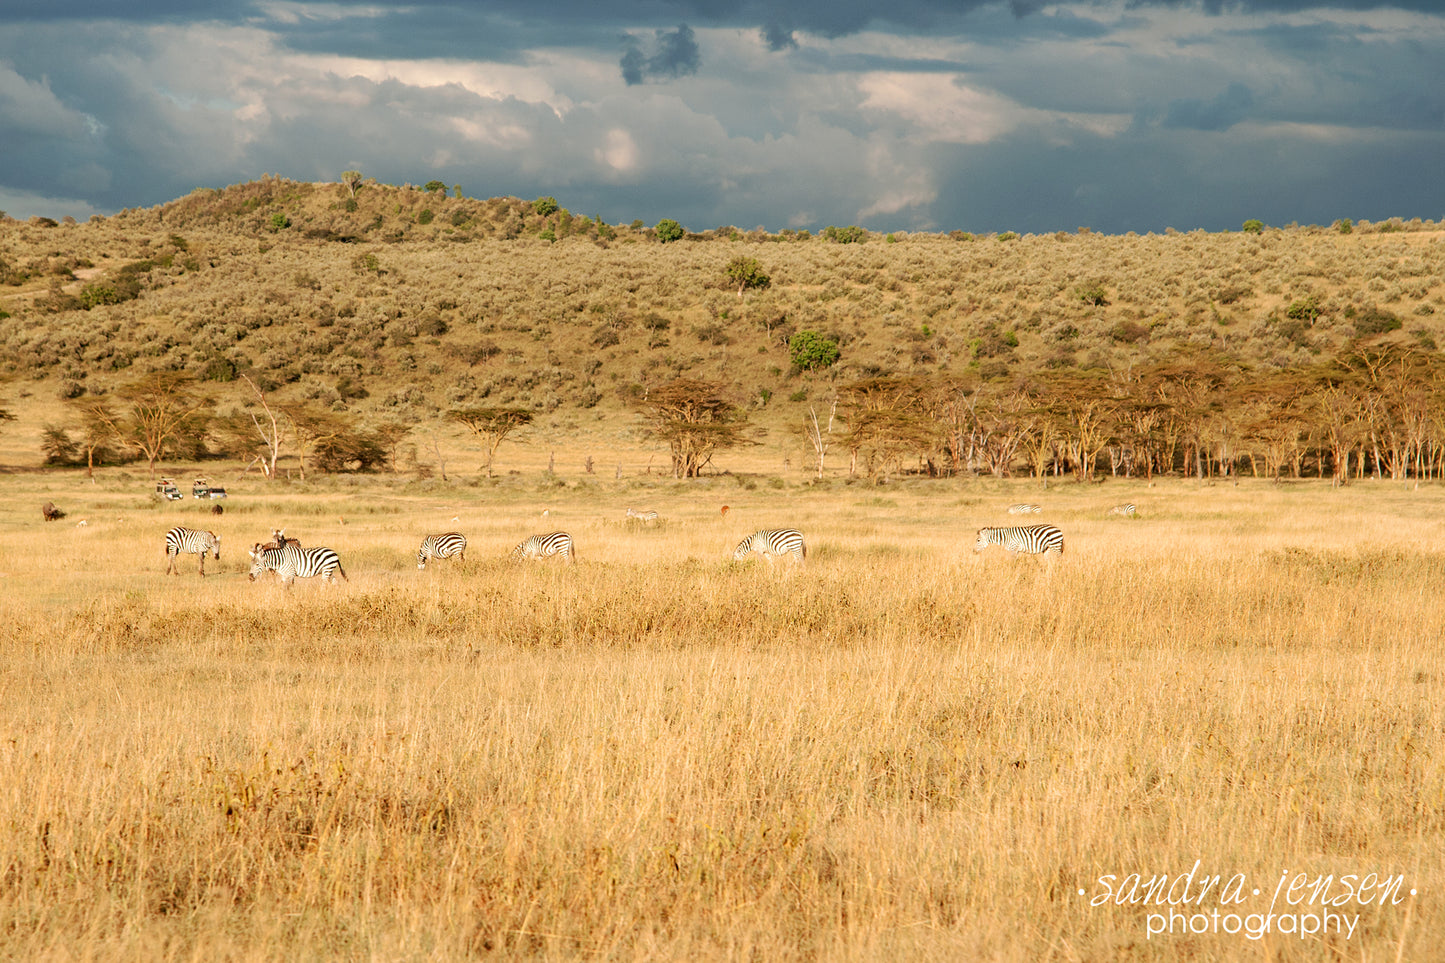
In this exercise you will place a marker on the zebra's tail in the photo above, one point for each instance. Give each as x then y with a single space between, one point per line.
341 571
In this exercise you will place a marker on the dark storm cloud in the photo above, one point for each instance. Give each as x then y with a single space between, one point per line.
779 36
674 54
1219 113
830 18
915 114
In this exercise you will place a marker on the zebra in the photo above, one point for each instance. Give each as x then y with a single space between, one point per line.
444 545
772 542
1029 539
545 546
191 542
294 561
642 516
1127 510
1024 509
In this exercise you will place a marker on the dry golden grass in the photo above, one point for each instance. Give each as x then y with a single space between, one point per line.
901 751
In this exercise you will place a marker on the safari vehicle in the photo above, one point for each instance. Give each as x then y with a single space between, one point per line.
165 488
203 489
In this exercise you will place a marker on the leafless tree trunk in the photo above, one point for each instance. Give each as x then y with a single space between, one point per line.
268 427
820 437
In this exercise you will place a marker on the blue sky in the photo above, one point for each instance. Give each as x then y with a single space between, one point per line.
907 115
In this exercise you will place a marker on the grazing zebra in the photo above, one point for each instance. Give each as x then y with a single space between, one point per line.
772 542
545 546
1029 539
1024 509
642 516
292 561
442 546
191 542
1127 510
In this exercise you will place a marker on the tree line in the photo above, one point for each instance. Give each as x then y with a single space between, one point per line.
167 414
1378 411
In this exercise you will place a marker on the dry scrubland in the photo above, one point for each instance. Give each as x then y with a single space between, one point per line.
905 751
414 303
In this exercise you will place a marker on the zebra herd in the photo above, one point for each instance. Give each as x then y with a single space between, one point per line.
290 561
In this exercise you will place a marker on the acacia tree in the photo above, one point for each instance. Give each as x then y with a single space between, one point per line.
747 274
96 421
695 420
491 425
312 430
352 180
159 409
1087 418
389 435
890 419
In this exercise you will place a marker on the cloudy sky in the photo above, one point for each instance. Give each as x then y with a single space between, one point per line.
981 115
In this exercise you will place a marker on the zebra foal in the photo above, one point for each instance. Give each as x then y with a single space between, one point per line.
444 545
770 543
545 546
1127 510
293 562
1029 539
189 541
1024 509
642 516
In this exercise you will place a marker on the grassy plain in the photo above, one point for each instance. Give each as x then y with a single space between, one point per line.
903 751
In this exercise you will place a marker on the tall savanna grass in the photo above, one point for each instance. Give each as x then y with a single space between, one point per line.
901 750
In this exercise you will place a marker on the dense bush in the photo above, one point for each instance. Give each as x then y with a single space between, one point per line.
810 351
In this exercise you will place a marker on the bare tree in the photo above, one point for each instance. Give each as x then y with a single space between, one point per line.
819 437
268 429
352 180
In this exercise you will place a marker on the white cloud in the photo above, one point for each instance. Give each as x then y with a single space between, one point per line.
939 106
30 108
619 151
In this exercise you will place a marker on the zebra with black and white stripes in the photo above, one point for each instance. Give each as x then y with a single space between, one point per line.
771 543
445 545
642 516
189 541
1028 539
1024 509
1127 510
293 562
545 546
